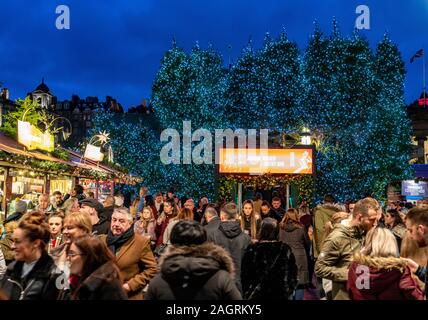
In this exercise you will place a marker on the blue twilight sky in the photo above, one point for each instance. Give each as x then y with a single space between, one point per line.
115 47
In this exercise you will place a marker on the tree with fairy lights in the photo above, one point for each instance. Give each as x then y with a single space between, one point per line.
353 96
190 88
278 70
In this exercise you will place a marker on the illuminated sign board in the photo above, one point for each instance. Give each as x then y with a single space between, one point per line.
93 153
33 138
261 161
411 188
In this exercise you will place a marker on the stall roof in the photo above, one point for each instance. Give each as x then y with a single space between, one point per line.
9 145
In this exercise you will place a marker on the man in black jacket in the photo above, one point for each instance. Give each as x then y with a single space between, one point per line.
230 236
108 207
100 225
211 216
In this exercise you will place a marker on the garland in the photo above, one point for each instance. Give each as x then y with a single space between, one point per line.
303 183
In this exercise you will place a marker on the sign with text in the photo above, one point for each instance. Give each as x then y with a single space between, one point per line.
411 188
94 153
33 138
261 161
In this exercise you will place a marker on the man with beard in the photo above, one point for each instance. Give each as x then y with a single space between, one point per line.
340 245
417 227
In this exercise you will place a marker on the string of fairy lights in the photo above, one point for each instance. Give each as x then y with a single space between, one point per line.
350 95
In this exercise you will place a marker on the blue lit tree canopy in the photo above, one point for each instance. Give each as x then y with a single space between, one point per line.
348 95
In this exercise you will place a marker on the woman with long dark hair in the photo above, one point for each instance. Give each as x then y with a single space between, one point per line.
169 212
269 268
94 273
250 221
394 223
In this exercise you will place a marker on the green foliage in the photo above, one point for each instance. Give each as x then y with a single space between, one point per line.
10 125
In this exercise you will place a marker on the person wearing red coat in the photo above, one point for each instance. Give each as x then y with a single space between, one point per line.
378 273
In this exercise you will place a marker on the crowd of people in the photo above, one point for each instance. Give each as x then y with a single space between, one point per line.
161 247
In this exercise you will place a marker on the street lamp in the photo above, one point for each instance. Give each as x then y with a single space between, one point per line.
305 136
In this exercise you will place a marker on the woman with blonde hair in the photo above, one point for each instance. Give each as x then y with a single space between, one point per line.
378 272
293 233
76 224
250 221
146 225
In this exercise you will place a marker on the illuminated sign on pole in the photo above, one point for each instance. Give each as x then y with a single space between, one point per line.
261 161
94 153
33 138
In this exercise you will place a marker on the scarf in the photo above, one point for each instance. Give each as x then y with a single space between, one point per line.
116 242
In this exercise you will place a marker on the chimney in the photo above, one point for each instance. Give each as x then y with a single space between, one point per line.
5 94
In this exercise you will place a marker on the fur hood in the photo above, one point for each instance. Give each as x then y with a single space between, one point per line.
381 263
194 264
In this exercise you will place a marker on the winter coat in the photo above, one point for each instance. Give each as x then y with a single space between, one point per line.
264 279
136 263
247 226
421 273
148 232
230 236
167 234
399 231
278 213
203 272
13 217
297 238
388 279
160 229
336 256
107 212
322 214
38 284
101 227
6 247
212 225
272 214
103 284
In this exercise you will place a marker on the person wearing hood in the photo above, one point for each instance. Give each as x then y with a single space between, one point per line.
341 244
193 269
322 214
269 270
100 224
230 236
378 272
293 233
134 256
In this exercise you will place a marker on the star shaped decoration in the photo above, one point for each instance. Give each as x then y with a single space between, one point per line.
103 137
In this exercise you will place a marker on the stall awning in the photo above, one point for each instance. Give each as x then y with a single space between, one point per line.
76 162
9 145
